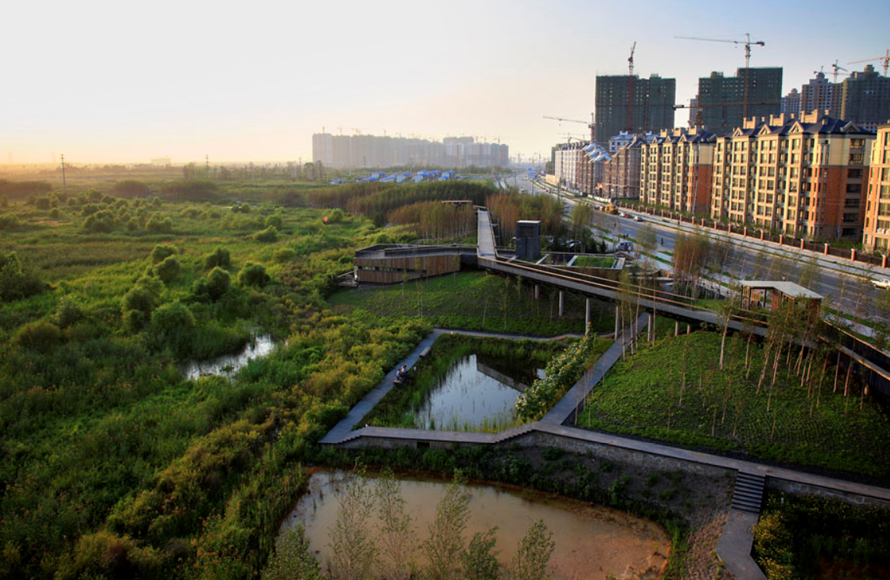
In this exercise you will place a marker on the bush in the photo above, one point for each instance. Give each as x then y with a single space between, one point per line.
335 216
253 275
168 270
275 221
43 203
267 235
68 312
135 320
150 283
171 326
220 258
100 222
161 252
8 222
136 308
283 255
159 224
17 279
40 335
214 286
106 555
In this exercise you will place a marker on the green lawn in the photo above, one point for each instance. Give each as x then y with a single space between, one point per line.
474 300
593 262
721 409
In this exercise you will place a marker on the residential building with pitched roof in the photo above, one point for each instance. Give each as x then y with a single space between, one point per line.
675 170
801 176
876 236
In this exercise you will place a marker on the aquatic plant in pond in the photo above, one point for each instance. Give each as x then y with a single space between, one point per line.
227 365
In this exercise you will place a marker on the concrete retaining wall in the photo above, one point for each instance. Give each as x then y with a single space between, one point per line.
832 494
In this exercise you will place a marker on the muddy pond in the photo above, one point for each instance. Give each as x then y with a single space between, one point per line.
591 543
476 392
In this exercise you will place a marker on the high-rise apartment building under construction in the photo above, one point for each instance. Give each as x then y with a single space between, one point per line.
725 102
629 103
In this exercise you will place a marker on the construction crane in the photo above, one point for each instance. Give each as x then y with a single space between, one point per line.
357 131
885 59
747 44
561 119
630 88
837 68
570 136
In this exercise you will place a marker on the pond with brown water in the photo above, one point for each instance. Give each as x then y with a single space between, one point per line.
591 542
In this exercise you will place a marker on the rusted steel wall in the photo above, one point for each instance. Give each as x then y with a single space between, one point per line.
396 270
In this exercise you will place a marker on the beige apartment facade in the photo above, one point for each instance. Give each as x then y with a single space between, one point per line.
801 176
675 170
876 237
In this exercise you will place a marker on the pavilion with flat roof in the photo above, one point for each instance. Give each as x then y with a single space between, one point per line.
770 295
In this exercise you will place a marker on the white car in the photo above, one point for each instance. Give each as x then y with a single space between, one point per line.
882 283
637 218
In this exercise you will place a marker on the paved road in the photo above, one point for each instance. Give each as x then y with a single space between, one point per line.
847 285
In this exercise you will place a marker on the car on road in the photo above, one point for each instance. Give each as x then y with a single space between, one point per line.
637 218
882 283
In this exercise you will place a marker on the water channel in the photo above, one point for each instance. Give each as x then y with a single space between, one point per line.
474 392
591 542
229 364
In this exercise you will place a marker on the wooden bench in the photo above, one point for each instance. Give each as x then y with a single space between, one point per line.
425 352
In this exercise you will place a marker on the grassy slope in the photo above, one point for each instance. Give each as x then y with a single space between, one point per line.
476 301
642 396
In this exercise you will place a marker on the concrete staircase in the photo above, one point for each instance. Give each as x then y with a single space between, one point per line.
748 492
514 432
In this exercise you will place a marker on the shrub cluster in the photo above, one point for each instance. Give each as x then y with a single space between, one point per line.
17 278
562 373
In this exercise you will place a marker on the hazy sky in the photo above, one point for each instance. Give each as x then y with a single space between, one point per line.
125 81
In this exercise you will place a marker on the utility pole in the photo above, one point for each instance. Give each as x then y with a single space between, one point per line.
64 186
207 166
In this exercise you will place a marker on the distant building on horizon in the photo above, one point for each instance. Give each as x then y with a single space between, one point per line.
652 105
819 94
791 103
371 151
723 99
161 161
